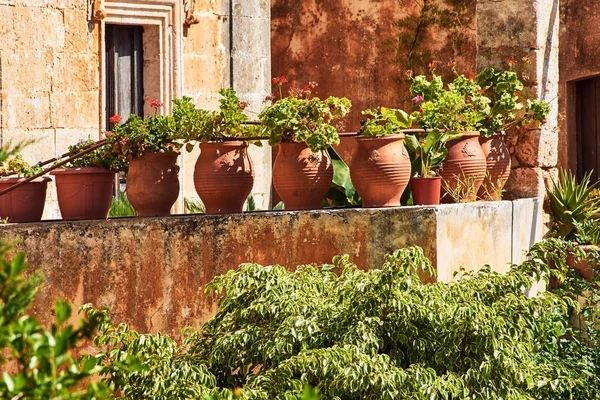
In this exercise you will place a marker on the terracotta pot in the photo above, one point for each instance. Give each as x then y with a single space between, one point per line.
380 170
224 176
585 267
152 184
84 193
464 167
426 191
302 177
26 203
498 167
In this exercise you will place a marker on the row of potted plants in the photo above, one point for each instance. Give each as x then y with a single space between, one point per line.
444 154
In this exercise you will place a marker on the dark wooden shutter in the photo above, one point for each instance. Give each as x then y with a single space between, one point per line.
588 127
124 71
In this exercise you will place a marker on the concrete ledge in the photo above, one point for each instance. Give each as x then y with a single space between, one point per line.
150 272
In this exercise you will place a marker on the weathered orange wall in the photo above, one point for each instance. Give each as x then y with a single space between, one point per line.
360 48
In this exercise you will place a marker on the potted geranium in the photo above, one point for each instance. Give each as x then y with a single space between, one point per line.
456 108
503 88
85 185
304 127
224 173
380 169
149 151
25 203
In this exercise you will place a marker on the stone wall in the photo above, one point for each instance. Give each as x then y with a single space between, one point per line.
360 49
50 74
151 272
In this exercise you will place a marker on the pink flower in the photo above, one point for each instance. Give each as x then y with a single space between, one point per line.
156 103
418 99
432 65
107 134
115 119
409 73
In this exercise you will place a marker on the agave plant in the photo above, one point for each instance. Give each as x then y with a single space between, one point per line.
572 204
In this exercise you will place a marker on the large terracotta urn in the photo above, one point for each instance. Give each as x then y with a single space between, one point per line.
463 169
498 166
84 193
153 184
380 170
224 176
25 203
301 176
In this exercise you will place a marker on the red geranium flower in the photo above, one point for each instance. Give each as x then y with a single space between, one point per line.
451 64
511 61
279 81
469 76
432 65
156 103
115 119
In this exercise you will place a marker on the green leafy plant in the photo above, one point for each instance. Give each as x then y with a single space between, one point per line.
571 204
463 190
120 206
96 158
384 121
428 151
193 206
342 192
300 117
17 165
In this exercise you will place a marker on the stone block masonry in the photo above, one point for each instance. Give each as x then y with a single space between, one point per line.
151 272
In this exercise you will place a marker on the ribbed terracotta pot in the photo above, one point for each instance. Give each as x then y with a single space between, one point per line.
426 191
498 166
465 164
84 193
224 176
153 184
380 170
301 177
25 203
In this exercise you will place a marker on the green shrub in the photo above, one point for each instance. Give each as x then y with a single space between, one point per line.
120 206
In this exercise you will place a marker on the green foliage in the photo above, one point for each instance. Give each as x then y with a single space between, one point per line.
303 118
251 204
428 151
571 204
385 121
120 206
41 360
193 206
20 167
342 192
97 158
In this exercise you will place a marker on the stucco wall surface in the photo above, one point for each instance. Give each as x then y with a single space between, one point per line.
151 272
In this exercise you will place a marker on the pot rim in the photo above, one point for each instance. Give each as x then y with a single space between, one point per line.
396 136
228 143
41 179
80 170
469 134
159 154
426 178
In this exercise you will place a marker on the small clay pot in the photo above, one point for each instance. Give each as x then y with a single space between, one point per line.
153 184
380 170
587 266
465 165
84 193
426 191
498 166
302 177
25 203
224 176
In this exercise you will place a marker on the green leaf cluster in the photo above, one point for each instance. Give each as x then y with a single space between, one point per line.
428 151
385 121
301 118
97 158
20 167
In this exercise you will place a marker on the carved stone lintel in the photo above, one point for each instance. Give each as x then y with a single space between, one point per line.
189 7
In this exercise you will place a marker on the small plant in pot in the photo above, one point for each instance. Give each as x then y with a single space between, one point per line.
25 203
575 209
85 185
458 109
304 127
380 169
147 150
224 173
507 110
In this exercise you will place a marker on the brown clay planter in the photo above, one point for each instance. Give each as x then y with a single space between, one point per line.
380 170
224 176
585 267
84 193
498 166
153 184
25 203
301 177
426 191
465 165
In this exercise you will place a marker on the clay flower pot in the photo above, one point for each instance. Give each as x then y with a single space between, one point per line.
153 184
587 266
84 193
302 177
498 166
426 191
26 203
224 176
380 170
464 168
